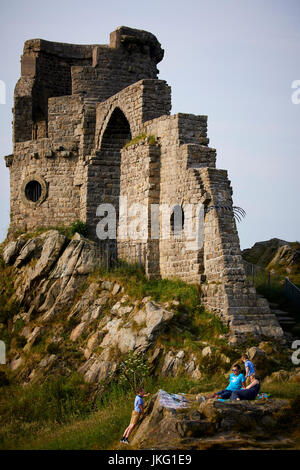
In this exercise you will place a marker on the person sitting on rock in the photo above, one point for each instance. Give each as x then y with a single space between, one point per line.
136 413
249 366
236 382
250 391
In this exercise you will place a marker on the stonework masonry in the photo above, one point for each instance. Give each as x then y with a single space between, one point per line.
92 123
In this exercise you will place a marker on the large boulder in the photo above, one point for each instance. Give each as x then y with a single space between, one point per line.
46 249
212 424
68 276
138 330
97 370
12 249
124 329
172 363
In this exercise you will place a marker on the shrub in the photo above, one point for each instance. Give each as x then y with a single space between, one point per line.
3 379
134 371
79 227
20 341
53 348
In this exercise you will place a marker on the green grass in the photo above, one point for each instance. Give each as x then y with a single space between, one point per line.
58 398
282 389
65 420
66 230
160 290
59 414
151 140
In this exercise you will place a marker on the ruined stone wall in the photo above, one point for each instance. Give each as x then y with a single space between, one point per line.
178 186
119 119
65 120
59 203
50 69
72 121
55 118
57 163
140 102
139 183
131 56
45 72
114 70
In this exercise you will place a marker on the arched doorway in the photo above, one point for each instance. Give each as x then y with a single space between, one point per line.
104 173
116 134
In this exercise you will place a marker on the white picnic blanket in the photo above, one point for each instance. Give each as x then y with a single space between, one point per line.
172 400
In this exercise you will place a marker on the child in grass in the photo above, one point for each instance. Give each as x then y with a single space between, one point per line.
136 413
249 366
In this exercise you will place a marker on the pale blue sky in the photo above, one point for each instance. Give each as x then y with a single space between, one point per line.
232 60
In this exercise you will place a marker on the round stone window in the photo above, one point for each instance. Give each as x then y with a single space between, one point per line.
33 191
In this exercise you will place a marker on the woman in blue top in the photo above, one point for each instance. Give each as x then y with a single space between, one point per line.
236 382
250 391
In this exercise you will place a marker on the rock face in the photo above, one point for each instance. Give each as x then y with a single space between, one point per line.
273 253
213 425
284 376
67 307
53 269
51 272
125 329
12 249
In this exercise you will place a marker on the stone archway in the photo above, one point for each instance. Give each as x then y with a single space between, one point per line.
104 173
115 136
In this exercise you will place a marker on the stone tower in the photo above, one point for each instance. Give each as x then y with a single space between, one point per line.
75 108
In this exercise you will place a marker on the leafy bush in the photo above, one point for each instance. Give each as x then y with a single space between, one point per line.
20 341
134 370
53 348
79 227
3 379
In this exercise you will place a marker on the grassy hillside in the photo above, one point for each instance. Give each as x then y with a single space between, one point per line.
57 409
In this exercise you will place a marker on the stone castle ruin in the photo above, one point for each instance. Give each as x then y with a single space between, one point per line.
75 108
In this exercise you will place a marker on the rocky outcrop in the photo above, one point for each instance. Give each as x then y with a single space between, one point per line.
274 253
284 376
12 250
124 329
62 307
86 321
49 271
213 424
